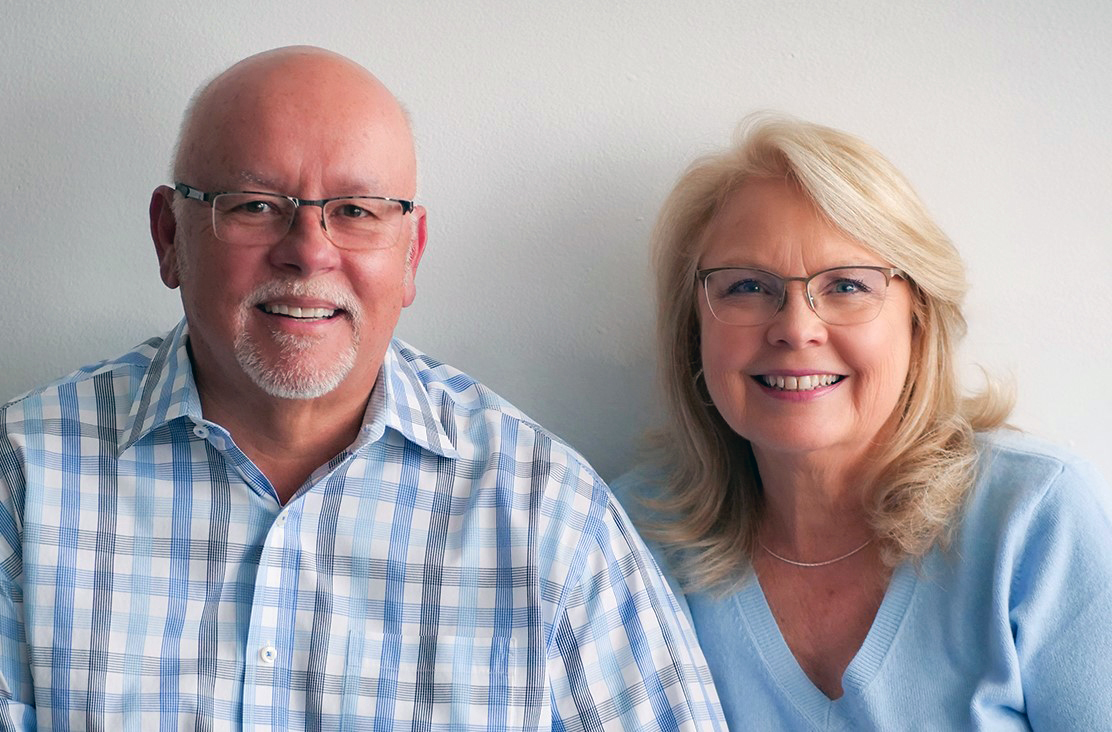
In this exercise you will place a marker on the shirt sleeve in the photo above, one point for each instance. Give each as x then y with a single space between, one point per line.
623 657
1061 605
17 710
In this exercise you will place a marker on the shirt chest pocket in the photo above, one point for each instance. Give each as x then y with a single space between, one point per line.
402 682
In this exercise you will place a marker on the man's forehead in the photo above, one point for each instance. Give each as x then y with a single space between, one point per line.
285 118
309 156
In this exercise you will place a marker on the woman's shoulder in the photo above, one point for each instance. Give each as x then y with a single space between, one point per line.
1024 482
1025 466
1038 531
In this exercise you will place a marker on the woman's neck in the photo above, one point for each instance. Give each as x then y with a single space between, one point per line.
813 507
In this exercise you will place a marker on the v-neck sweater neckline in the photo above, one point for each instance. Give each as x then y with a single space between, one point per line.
785 669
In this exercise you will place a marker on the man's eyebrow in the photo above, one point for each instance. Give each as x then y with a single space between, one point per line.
250 178
369 185
366 186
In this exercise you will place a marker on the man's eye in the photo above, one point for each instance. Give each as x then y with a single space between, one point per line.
352 211
255 207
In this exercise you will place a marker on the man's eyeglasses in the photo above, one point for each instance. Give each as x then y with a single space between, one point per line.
247 218
839 296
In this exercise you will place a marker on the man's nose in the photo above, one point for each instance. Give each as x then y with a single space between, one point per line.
307 247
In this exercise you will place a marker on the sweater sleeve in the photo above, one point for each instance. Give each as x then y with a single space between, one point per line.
1061 603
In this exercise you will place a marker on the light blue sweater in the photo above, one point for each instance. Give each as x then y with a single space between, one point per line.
1011 629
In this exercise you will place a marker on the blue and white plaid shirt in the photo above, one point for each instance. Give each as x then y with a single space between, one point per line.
456 568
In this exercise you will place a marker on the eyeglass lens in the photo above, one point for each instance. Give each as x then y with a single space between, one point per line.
248 219
842 296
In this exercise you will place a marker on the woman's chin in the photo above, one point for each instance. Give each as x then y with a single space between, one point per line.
804 445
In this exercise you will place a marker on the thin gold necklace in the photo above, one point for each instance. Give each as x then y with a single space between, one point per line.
813 564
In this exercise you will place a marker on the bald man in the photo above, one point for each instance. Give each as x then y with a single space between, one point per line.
277 516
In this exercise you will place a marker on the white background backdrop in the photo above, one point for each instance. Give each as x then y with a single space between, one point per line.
548 134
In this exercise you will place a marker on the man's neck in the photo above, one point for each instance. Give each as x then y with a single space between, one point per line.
287 439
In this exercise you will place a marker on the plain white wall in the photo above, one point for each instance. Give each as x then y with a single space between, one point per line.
548 134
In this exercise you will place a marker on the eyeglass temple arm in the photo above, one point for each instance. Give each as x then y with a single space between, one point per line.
191 192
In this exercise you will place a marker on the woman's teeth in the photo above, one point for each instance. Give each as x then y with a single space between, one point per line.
799 383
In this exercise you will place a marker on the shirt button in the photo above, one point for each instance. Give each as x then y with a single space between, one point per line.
201 431
268 655
281 520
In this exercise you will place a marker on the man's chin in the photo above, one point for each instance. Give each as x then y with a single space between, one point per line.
300 371
295 383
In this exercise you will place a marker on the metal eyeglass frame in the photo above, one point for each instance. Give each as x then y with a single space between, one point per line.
888 272
207 197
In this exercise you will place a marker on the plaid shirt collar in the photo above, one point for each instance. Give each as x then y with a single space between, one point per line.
399 401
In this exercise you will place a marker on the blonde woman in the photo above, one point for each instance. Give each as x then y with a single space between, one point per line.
860 546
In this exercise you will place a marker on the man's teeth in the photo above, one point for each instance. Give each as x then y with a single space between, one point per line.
800 383
296 312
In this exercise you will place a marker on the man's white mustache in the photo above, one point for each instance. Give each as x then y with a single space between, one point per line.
333 295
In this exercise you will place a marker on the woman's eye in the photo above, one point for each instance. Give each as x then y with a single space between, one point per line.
849 287
745 287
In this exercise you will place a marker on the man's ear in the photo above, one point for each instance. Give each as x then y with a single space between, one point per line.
416 249
163 228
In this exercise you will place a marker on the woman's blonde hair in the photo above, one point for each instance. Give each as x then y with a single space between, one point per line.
712 497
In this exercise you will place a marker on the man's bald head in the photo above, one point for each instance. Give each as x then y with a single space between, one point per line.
311 125
297 82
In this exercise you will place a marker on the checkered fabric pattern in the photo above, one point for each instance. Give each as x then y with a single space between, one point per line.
456 568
